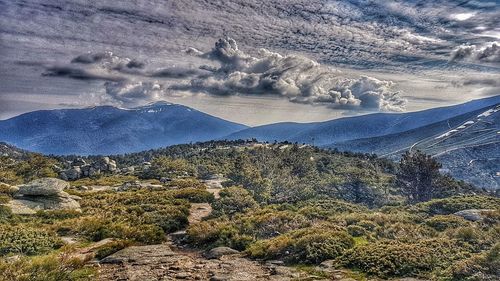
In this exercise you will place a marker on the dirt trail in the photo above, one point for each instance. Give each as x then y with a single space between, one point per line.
171 261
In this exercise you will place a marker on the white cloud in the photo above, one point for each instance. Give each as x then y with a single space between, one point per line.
294 77
133 93
487 53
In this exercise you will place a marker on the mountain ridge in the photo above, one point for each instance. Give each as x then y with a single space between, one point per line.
111 130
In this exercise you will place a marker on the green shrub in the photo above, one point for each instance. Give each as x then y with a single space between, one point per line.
452 205
233 200
389 258
46 268
324 208
55 215
27 240
441 222
310 245
193 195
111 248
103 180
356 231
480 267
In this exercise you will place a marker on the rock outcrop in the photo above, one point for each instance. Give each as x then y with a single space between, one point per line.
473 214
79 168
43 194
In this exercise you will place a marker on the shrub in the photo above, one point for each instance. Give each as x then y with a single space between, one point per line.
451 205
389 258
104 180
484 267
441 223
46 268
233 200
356 231
193 195
324 208
310 245
55 215
24 239
111 248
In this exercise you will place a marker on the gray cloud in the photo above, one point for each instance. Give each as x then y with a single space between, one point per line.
133 93
91 58
176 72
488 53
78 73
294 77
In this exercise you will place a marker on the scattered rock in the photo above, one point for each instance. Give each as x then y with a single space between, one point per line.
472 214
218 252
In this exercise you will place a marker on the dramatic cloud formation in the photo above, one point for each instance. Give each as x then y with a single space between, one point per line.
296 78
488 53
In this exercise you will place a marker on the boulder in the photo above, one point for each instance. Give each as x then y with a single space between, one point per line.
472 214
43 187
32 204
218 252
72 174
140 255
112 166
78 162
43 194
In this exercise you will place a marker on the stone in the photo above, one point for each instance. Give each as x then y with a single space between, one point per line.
78 162
140 255
112 166
472 214
43 187
218 252
72 174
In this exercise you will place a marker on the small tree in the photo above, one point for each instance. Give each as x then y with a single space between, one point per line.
417 175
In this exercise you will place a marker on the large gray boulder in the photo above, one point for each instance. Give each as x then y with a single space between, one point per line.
43 187
43 194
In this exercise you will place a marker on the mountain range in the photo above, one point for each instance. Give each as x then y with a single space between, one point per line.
463 137
109 130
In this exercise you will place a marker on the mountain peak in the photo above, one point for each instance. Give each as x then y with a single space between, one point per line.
155 104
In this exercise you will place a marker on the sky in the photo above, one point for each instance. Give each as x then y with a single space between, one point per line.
248 61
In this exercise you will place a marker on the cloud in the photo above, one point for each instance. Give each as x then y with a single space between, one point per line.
488 53
297 78
133 93
79 74
91 58
176 72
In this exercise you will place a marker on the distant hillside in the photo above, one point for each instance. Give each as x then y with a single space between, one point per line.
365 126
468 145
111 130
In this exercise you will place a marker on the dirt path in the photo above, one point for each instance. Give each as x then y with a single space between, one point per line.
170 261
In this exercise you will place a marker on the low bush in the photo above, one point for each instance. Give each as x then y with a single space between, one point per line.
390 258
310 245
51 267
111 248
484 267
441 222
27 240
233 200
451 205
